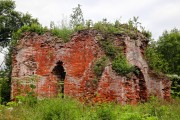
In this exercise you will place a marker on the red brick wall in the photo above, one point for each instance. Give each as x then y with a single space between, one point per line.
37 55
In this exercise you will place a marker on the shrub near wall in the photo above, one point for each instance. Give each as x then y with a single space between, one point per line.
63 33
99 66
121 66
115 54
175 86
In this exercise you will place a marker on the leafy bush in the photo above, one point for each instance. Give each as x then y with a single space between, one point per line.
108 48
60 109
64 33
30 99
106 27
147 34
99 66
119 62
175 86
130 28
121 66
105 112
4 87
32 28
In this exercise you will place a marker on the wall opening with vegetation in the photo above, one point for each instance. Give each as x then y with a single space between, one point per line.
60 74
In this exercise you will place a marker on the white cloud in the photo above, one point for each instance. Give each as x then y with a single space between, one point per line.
164 15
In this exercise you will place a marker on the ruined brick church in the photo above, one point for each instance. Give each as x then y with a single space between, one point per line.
54 67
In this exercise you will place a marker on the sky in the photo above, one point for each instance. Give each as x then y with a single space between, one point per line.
155 15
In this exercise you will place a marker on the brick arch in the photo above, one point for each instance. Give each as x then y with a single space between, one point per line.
139 64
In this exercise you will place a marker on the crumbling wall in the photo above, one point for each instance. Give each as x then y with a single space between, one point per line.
38 55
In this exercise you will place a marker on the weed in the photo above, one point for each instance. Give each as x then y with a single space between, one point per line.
64 33
70 109
32 28
106 28
99 66
121 66
175 86
108 47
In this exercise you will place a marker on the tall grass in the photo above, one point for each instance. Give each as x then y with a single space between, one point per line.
70 109
64 33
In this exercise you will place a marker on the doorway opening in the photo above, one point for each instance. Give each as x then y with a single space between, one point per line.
142 85
60 74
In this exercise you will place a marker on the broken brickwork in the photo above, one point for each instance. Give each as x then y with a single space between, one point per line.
57 67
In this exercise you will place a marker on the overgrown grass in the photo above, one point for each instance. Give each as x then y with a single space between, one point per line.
130 28
47 109
64 33
70 109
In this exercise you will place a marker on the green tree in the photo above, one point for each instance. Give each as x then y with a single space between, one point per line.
155 59
11 20
4 87
168 46
77 18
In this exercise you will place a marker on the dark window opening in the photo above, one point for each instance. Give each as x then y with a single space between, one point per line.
60 74
142 85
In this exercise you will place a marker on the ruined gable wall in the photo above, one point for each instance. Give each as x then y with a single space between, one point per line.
36 56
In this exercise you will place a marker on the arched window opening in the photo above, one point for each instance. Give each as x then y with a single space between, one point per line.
60 74
142 85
